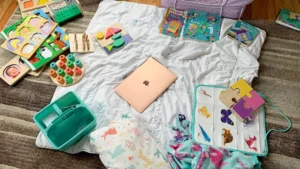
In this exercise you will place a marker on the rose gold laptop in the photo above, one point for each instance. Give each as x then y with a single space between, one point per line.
145 84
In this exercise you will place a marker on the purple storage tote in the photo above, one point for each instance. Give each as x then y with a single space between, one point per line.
226 8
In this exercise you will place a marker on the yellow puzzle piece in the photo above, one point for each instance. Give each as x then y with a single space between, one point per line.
204 112
244 88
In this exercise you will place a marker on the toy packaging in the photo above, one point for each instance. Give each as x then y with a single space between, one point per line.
214 123
65 121
29 35
202 26
173 22
81 43
66 71
243 32
13 71
289 19
113 38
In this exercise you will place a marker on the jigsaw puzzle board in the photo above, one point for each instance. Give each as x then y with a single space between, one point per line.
27 6
214 124
29 35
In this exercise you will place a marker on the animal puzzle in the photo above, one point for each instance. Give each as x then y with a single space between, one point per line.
173 23
54 45
81 43
29 35
66 71
216 125
242 99
13 71
113 38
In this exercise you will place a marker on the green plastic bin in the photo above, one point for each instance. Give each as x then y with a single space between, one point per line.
65 121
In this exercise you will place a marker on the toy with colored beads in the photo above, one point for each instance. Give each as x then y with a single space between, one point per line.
67 71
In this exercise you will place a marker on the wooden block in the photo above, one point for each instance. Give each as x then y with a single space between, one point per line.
81 43
13 71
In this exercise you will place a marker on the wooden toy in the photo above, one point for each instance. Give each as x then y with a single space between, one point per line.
66 71
65 10
37 72
242 99
53 46
29 35
113 38
27 6
81 43
13 71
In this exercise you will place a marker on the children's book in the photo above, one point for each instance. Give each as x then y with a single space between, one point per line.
202 26
289 19
243 32
173 22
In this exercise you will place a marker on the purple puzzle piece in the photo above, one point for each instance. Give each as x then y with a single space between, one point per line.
242 110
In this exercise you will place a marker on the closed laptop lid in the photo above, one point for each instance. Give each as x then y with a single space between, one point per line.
145 84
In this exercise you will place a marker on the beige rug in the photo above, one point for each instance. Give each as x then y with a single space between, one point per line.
279 79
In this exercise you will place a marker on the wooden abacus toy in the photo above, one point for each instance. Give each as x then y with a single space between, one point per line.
81 43
67 71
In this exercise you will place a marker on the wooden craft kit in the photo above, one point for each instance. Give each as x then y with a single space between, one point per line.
66 71
113 38
242 99
29 35
13 71
81 43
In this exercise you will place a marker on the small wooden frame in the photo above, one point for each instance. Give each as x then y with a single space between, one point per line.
81 43
37 72
13 71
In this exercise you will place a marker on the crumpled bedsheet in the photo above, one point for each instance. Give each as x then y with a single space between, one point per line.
219 63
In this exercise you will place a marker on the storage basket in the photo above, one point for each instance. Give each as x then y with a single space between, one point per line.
226 8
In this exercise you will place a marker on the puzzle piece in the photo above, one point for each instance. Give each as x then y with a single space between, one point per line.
229 97
173 26
109 33
244 88
242 110
255 101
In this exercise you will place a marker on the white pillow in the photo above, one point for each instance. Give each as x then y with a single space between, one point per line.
124 144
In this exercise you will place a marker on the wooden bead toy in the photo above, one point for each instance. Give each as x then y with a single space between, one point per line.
52 73
67 73
63 58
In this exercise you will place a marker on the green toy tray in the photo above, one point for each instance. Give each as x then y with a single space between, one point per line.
65 121
66 13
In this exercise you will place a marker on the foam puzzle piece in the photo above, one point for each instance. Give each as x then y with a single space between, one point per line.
255 101
243 110
243 86
229 97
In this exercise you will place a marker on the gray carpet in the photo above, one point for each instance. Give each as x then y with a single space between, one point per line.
278 79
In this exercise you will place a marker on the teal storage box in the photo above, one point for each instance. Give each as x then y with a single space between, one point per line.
65 121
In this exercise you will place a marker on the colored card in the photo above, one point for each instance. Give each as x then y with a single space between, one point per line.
173 23
202 26
29 35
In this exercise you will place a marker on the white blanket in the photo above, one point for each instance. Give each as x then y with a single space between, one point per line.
219 63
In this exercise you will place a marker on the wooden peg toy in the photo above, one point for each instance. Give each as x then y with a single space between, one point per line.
67 73
81 43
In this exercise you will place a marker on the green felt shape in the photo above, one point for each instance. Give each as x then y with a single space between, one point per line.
118 43
117 36
109 47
